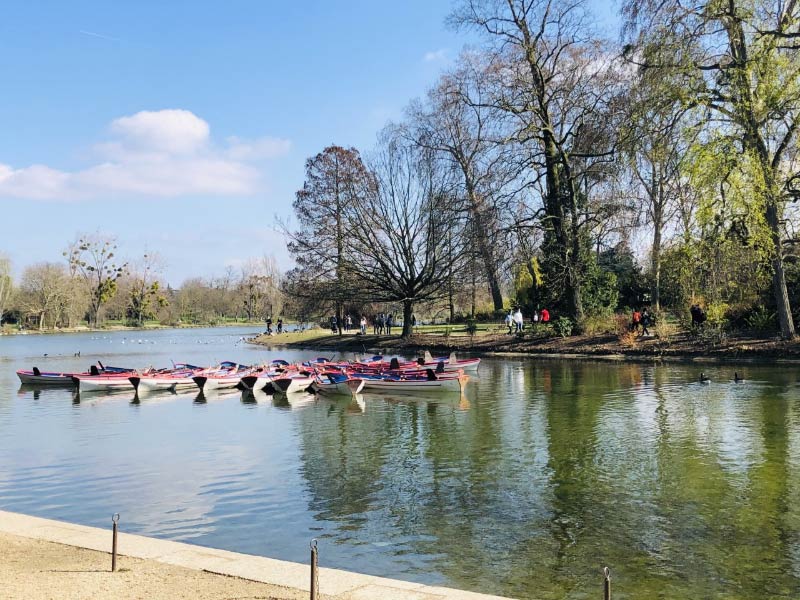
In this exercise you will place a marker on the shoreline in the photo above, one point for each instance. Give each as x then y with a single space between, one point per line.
48 559
113 328
681 348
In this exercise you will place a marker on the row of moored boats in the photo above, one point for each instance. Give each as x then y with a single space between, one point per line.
321 375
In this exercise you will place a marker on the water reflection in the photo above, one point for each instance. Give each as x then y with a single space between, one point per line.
540 474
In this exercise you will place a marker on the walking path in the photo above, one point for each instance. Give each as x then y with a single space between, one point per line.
43 558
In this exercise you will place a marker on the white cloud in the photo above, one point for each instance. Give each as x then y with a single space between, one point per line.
173 131
435 55
165 153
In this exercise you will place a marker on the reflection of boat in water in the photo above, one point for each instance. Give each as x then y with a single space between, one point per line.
98 397
356 405
206 396
300 400
446 399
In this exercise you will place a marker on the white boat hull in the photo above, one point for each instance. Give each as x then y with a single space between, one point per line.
103 384
216 383
162 384
342 388
292 385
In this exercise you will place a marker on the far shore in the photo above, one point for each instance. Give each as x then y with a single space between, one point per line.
107 328
681 346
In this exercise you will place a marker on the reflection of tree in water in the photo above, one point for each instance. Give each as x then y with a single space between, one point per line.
549 476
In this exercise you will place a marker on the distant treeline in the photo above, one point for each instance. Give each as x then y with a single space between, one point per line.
90 286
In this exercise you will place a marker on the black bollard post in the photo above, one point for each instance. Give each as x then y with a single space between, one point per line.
114 521
314 574
606 583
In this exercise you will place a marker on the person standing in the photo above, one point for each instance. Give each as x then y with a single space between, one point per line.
636 320
279 326
545 316
519 321
348 323
509 321
363 325
389 323
645 321
413 321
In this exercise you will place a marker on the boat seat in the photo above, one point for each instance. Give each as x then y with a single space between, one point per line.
431 374
36 371
440 367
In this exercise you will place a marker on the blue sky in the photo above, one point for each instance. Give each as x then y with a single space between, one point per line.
183 127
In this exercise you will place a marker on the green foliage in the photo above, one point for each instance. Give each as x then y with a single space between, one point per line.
143 302
717 314
600 293
563 326
630 283
527 281
761 319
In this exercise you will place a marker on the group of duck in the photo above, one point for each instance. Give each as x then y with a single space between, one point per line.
321 375
706 379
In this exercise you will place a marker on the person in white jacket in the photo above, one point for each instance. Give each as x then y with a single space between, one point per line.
518 320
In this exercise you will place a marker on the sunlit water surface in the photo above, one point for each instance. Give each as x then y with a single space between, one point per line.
526 486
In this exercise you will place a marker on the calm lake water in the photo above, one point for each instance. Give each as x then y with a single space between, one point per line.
543 473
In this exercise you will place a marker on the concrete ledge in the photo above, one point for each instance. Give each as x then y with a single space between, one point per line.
333 583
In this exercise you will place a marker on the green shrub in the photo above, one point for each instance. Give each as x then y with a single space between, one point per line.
603 322
563 326
717 315
761 319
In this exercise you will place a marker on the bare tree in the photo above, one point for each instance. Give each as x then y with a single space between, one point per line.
458 121
555 84
336 180
43 292
400 250
655 151
144 295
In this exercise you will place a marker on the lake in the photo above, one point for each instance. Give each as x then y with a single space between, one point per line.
543 472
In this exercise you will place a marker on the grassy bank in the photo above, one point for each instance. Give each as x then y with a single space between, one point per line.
490 338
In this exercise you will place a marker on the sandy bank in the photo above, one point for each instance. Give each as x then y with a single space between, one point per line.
43 558
35 569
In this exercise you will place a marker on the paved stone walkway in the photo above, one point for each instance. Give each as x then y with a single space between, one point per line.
283 579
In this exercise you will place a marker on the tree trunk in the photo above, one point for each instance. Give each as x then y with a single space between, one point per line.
482 241
655 256
785 320
408 310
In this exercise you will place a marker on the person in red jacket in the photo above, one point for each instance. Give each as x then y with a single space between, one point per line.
545 315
